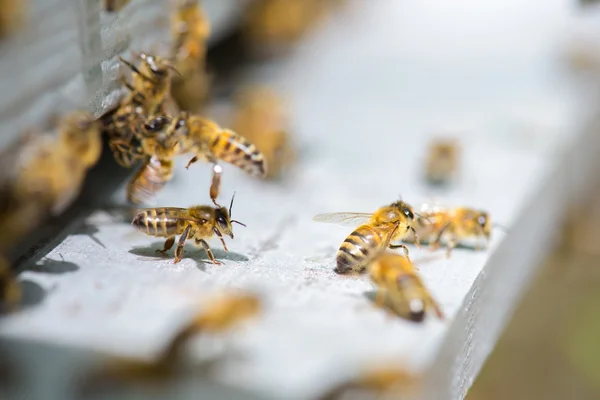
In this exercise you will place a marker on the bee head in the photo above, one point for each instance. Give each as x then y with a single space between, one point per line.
224 221
483 220
416 310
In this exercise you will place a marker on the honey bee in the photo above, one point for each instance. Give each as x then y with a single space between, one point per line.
401 288
197 223
43 174
149 95
168 138
379 229
10 289
379 381
260 118
190 29
453 225
442 162
275 24
114 5
221 314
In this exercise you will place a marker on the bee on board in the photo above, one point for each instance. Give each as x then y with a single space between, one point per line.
400 289
219 315
190 30
114 5
261 118
195 223
454 226
383 381
43 172
442 162
377 232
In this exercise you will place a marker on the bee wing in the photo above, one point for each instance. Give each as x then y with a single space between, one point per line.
343 218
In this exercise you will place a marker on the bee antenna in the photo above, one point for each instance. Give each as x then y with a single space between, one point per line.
238 222
231 205
424 217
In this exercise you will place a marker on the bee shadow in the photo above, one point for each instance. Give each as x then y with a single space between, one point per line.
50 266
190 252
32 294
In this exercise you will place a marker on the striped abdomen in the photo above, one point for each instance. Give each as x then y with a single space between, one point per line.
149 180
359 248
161 222
237 150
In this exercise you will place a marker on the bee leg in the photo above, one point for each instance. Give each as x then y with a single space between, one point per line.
436 242
380 299
193 160
208 251
417 241
216 184
180 243
220 238
168 244
135 70
397 246
451 245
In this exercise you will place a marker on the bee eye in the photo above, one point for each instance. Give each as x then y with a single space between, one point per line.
408 213
481 220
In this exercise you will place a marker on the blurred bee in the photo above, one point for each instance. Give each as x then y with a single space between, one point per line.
379 229
442 162
260 118
114 5
273 25
378 381
453 226
220 315
10 289
12 16
43 174
190 30
400 288
197 223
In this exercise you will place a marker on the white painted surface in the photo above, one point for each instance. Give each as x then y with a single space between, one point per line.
367 91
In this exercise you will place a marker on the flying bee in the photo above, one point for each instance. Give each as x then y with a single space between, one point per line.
221 314
197 223
190 30
379 380
379 229
209 142
454 226
401 288
261 118
442 162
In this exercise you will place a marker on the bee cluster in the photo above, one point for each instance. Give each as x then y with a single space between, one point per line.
161 118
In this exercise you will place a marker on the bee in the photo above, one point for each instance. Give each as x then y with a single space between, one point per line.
220 315
401 288
10 289
114 5
190 30
12 16
381 380
187 133
149 95
43 173
210 142
197 223
453 225
260 118
379 229
442 161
